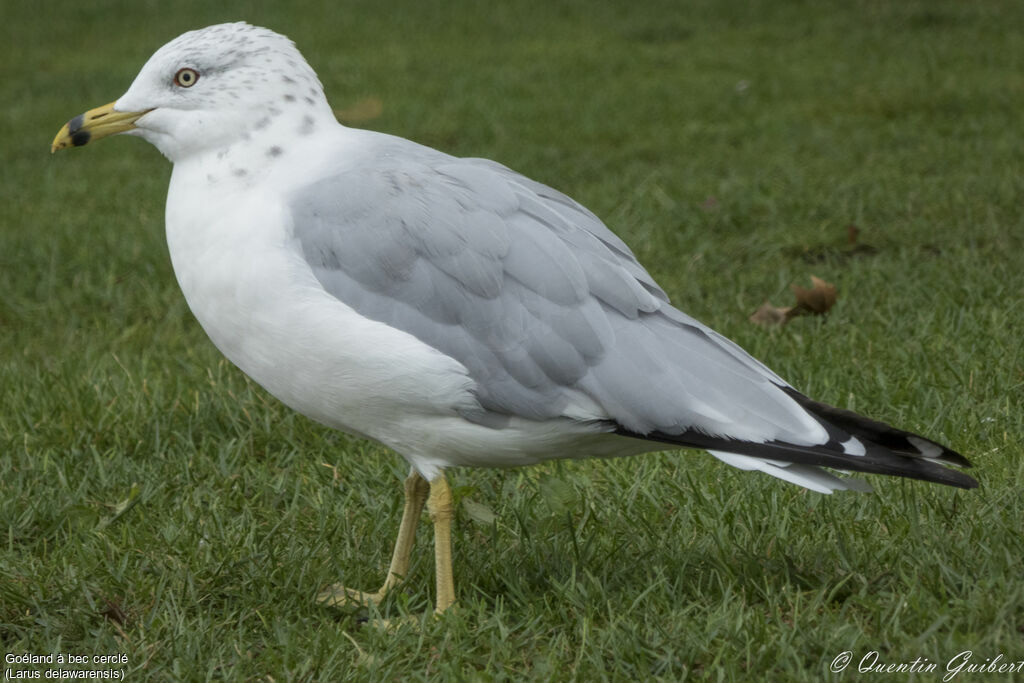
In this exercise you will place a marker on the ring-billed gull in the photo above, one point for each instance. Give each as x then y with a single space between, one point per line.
449 308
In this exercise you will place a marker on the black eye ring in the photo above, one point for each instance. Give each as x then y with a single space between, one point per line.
186 77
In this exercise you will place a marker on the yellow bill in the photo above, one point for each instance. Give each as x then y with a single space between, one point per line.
95 124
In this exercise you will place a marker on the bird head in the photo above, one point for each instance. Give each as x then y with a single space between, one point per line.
208 89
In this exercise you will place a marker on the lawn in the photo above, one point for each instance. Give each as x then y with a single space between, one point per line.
156 504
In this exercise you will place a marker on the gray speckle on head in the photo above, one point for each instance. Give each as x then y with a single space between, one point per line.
239 172
261 76
275 151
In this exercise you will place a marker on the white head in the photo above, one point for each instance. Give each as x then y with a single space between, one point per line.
208 89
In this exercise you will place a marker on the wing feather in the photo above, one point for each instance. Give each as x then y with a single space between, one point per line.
533 294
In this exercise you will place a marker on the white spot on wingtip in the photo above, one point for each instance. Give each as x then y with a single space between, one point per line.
927 449
854 447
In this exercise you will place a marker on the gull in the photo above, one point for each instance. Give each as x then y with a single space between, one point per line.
449 308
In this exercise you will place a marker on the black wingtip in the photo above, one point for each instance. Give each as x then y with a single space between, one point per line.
878 433
876 459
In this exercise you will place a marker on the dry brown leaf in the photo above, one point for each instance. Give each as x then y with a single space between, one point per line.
362 110
852 234
817 300
112 610
814 301
770 316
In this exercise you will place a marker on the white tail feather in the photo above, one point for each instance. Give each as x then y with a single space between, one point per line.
808 476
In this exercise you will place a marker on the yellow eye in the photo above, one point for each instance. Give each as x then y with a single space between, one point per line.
186 77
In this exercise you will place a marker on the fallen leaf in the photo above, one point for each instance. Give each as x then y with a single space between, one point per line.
817 300
814 301
852 234
769 316
113 611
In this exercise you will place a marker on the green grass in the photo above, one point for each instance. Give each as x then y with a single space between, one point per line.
156 503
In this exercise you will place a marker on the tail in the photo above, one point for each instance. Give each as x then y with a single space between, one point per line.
855 444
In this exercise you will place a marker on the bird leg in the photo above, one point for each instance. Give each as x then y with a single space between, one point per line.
439 505
416 490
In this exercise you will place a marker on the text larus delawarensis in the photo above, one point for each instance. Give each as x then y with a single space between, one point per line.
451 309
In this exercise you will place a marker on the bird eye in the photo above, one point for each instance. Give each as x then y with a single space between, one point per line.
186 77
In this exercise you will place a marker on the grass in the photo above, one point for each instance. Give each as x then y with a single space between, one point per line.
154 502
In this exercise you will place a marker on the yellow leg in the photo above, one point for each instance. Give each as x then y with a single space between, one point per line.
439 505
416 489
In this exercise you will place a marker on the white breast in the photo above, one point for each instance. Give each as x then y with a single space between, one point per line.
251 290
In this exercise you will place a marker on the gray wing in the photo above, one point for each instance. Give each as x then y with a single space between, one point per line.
548 310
